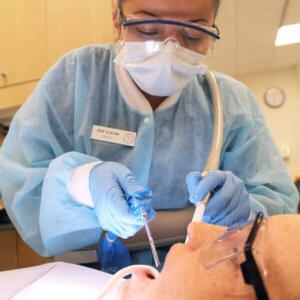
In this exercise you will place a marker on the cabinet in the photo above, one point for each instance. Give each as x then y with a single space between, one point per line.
22 49
14 253
23 41
8 250
74 23
15 95
35 33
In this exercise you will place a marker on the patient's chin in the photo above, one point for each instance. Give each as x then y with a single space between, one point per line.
201 234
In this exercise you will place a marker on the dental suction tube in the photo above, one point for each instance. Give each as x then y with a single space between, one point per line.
213 159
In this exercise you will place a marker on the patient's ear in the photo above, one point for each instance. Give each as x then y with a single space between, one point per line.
201 234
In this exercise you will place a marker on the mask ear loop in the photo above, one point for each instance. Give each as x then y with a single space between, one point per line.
119 16
119 43
209 53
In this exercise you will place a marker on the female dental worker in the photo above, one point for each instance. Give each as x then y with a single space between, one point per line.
109 125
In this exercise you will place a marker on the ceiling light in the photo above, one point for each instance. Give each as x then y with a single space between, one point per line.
288 34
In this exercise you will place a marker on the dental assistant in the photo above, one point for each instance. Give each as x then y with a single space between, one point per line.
108 124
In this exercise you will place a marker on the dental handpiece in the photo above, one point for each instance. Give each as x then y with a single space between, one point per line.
150 238
200 207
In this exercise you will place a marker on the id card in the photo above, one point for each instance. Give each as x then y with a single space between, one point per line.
113 135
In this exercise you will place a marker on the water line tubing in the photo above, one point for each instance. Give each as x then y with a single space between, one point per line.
214 157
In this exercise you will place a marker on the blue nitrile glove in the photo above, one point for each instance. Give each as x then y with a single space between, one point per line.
113 189
229 202
112 254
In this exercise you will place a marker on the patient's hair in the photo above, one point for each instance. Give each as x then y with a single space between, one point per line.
216 3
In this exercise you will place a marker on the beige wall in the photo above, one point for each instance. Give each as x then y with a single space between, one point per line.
284 122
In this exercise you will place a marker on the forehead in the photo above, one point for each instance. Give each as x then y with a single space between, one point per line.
183 9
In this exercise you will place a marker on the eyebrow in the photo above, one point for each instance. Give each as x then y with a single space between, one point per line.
154 15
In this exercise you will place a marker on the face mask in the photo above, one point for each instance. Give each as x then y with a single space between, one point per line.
160 68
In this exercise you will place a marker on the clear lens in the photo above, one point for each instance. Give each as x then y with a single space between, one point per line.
189 35
223 257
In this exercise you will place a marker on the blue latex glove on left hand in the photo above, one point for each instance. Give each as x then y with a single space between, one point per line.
119 199
229 202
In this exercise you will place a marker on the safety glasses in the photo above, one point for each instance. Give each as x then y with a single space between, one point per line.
189 35
249 267
238 255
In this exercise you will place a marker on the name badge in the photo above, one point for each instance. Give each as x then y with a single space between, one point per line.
113 135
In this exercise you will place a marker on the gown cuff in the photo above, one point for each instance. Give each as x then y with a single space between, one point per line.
78 184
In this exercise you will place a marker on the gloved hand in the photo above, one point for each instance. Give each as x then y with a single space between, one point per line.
229 202
119 199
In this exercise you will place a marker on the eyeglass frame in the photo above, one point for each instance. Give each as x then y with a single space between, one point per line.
212 31
249 267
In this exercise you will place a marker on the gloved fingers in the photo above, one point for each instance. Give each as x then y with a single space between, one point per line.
128 220
209 183
111 185
117 210
130 185
235 217
192 179
123 227
125 231
121 212
215 209
223 200
235 210
139 197
140 204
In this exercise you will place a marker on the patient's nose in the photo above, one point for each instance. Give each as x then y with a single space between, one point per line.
141 274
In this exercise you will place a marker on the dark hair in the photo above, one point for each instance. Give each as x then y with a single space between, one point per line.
216 4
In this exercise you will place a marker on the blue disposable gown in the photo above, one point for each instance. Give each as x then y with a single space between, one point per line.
50 136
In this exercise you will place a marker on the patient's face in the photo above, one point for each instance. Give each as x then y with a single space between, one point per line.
184 277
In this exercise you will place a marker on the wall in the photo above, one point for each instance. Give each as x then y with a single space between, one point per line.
283 122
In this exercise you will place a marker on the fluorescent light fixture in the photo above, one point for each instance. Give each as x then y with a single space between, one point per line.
288 34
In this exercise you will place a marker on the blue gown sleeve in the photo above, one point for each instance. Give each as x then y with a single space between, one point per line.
36 159
250 153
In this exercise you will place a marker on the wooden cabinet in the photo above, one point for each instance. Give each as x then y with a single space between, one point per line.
23 41
35 33
14 253
15 95
8 250
27 257
74 23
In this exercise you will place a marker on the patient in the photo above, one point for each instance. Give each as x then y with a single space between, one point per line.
208 269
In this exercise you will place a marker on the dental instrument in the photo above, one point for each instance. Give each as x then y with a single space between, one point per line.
150 238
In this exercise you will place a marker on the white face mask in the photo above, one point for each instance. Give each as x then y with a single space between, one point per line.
160 68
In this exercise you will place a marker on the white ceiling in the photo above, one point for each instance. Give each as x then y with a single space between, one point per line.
248 31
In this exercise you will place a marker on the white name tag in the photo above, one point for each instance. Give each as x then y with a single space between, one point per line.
113 135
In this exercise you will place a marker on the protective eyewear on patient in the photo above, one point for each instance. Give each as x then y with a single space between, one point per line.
238 252
189 35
